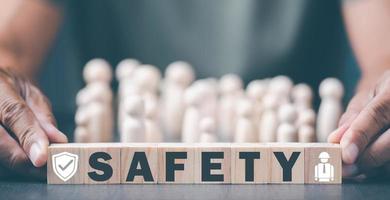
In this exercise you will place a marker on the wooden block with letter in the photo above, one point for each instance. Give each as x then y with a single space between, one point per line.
287 163
101 163
63 165
212 163
176 163
323 163
199 163
250 163
139 163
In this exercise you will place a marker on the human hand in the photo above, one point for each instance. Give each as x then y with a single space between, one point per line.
364 130
27 126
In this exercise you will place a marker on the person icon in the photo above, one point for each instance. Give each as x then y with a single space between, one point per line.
324 171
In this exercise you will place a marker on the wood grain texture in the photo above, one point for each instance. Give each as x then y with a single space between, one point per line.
56 149
176 151
312 153
203 163
286 151
217 157
140 150
254 154
107 154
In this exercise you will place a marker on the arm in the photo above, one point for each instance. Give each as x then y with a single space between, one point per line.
363 131
27 27
369 32
27 125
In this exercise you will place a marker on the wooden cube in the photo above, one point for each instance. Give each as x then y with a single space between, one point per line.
64 165
206 163
250 163
323 163
287 163
176 163
139 163
212 163
101 163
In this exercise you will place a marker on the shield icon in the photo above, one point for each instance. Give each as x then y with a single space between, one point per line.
65 165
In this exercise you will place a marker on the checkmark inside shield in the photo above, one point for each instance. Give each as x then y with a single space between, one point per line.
66 166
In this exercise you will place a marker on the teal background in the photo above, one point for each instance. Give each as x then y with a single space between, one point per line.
303 39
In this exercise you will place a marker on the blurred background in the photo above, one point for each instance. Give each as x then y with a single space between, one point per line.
255 39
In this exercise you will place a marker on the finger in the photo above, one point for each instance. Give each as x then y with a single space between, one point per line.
13 158
354 107
337 134
377 153
370 121
357 103
17 117
42 110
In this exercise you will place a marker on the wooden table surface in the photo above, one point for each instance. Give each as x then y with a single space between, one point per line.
26 189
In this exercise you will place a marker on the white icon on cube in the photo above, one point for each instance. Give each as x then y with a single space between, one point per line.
65 165
324 171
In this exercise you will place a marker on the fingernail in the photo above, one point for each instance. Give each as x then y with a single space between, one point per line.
343 128
349 152
51 129
331 136
339 132
350 170
335 131
35 153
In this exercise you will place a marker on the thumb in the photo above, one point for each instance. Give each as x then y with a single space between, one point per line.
17 117
370 122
